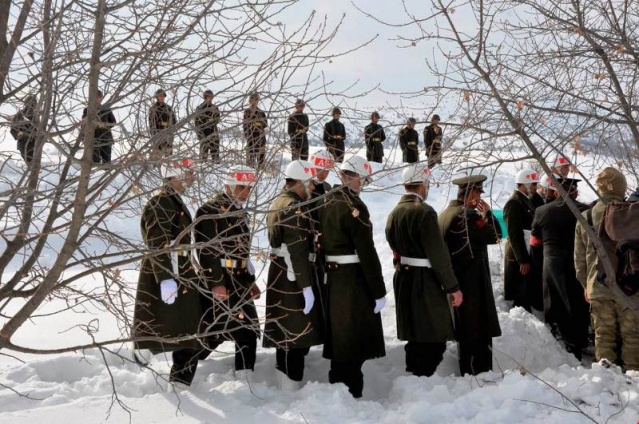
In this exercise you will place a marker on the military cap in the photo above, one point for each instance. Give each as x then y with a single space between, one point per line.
300 102
375 115
411 120
208 93
254 96
568 183
99 93
336 111
159 91
471 182
436 118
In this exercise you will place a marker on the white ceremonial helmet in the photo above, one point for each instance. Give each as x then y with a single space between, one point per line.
240 175
299 170
527 176
322 159
415 174
359 166
175 168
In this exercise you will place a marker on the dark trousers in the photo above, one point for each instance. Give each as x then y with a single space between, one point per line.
256 151
475 356
422 359
245 353
102 153
291 362
209 145
434 154
299 149
336 149
26 146
374 152
349 373
184 366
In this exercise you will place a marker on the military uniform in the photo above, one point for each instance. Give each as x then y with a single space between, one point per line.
374 136
161 119
467 236
164 218
537 200
611 319
297 127
254 125
207 118
433 135
408 141
421 286
24 131
224 242
334 135
354 333
564 305
102 137
318 194
518 215
292 238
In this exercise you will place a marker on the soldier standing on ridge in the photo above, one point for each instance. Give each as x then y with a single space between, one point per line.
293 317
207 118
254 125
468 227
374 137
423 276
102 136
161 120
297 128
356 290
223 240
24 130
408 141
518 215
334 135
167 301
433 135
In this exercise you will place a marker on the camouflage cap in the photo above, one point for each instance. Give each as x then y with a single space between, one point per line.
375 115
336 111
254 96
435 118
411 120
471 182
300 102
159 92
208 93
611 181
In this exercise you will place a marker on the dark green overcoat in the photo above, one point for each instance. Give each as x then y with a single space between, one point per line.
164 218
289 223
421 301
518 215
467 236
353 331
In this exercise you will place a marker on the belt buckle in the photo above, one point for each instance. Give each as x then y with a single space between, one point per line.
228 263
312 257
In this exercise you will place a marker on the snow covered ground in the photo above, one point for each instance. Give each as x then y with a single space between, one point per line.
535 380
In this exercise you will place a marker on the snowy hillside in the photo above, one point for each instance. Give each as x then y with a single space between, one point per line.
533 372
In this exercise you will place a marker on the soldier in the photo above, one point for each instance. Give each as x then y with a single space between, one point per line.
293 323
538 197
334 135
24 130
518 215
356 291
374 137
565 308
167 302
322 162
408 141
468 227
254 125
561 167
423 276
297 128
433 135
223 238
102 138
161 119
612 319
207 118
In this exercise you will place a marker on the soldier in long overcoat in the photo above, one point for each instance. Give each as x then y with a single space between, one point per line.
167 302
254 125
356 290
161 119
24 129
565 308
468 227
223 240
518 215
433 136
207 118
298 125
334 136
102 136
423 276
374 136
409 141
293 317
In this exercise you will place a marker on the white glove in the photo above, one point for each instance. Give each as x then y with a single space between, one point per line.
168 291
309 299
379 305
250 268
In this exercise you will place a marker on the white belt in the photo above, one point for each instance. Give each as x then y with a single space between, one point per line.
175 260
283 252
343 259
418 262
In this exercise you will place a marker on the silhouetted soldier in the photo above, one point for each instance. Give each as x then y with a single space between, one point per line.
207 117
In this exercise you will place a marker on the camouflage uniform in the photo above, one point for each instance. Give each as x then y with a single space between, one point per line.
611 318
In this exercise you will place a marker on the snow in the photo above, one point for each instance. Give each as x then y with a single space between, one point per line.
533 379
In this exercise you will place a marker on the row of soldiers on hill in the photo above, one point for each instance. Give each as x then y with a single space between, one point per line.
162 119
325 283
551 264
